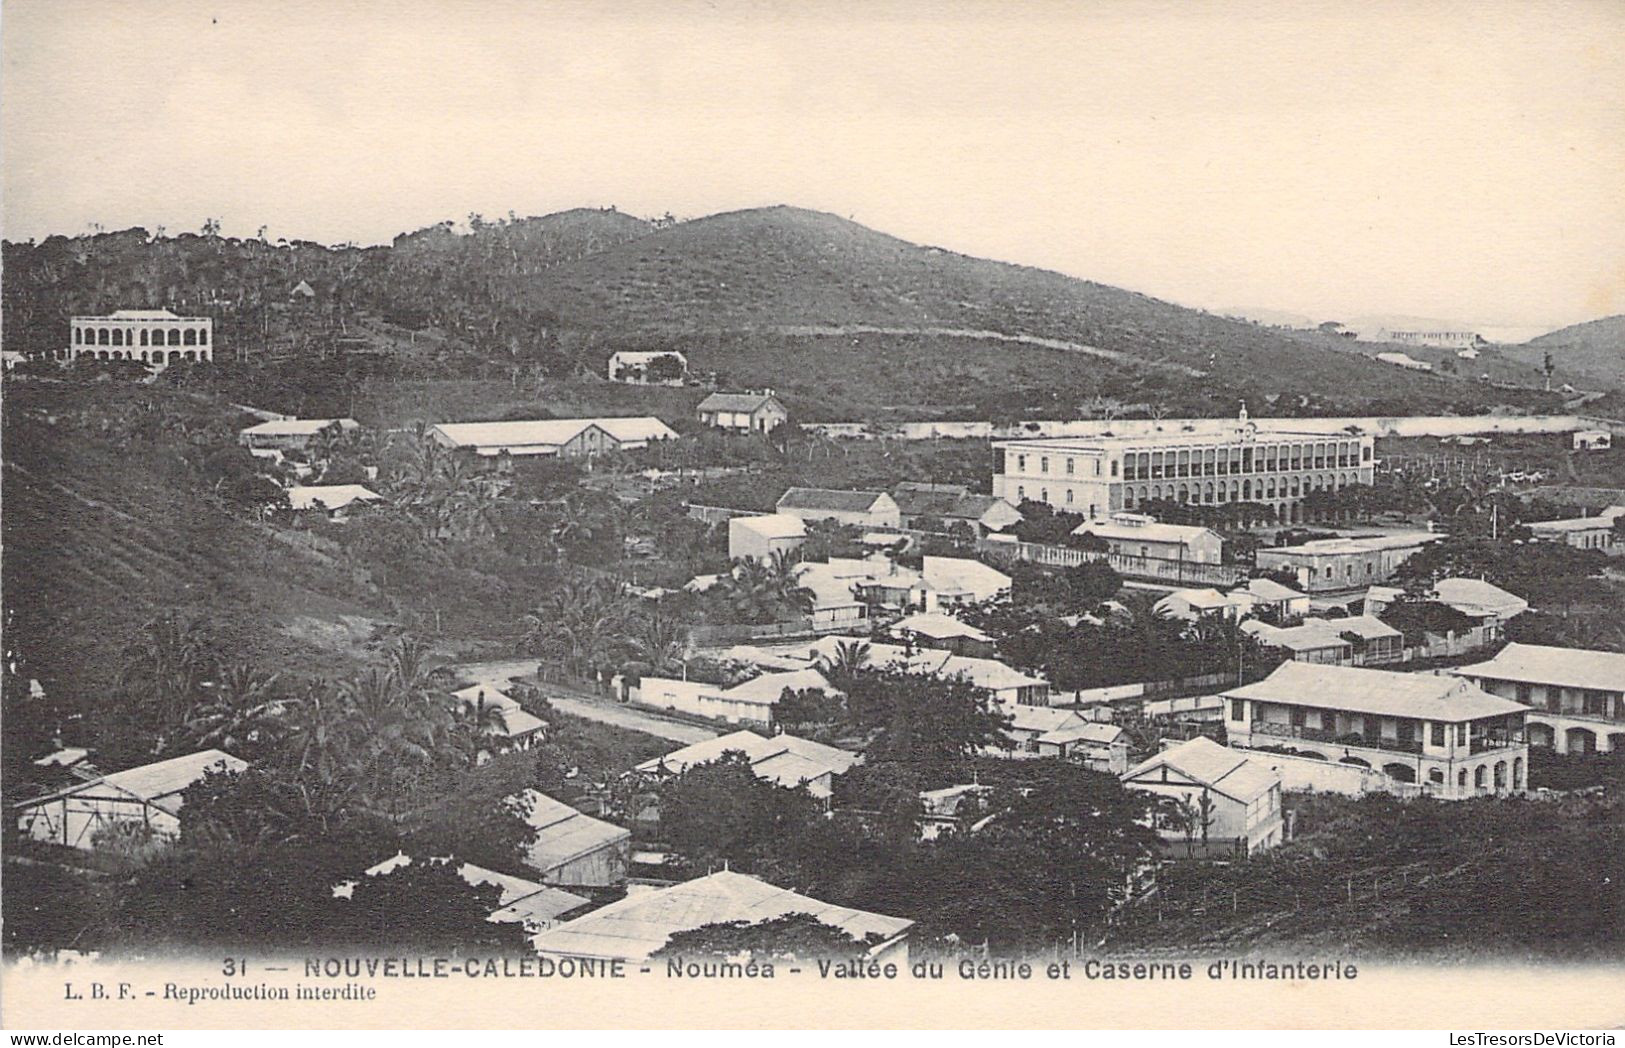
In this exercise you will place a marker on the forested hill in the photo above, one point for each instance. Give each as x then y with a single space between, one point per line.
762 287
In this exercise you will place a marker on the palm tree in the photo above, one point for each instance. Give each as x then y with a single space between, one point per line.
475 724
165 668
580 624
238 712
388 729
663 642
316 735
843 665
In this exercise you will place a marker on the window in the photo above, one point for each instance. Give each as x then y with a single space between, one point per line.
1461 737
1436 734
1069 494
1021 492
1114 467
1523 694
1238 709
1043 464
1069 463
1021 463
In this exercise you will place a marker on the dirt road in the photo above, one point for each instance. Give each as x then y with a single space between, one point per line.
499 674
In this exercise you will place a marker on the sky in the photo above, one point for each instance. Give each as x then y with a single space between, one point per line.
1463 161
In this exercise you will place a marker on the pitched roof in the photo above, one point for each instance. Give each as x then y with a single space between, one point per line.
955 503
1041 719
766 689
298 427
562 833
829 499
1207 598
159 784
749 402
1131 527
1093 732
1598 523
331 496
555 432
1542 664
1218 767
773 525
963 575
1379 692
756 750
984 673
535 905
1358 544
937 626
1476 594
640 924
1270 590
143 314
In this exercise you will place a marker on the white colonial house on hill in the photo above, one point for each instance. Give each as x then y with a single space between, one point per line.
150 336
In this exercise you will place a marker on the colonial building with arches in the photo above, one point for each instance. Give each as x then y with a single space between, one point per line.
148 336
1435 736
1099 476
1576 697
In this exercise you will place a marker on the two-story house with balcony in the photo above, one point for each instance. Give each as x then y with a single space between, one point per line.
1445 735
1576 697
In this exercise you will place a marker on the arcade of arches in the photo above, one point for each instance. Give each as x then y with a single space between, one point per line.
158 340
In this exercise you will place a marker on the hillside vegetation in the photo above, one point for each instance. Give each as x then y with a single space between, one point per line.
800 300
1591 353
107 526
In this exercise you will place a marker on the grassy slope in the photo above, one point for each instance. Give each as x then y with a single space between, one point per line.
99 539
1591 353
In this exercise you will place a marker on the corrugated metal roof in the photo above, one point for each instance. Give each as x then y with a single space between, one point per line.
1542 664
639 925
152 781
1380 692
562 833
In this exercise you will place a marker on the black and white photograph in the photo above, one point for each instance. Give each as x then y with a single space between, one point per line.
816 515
